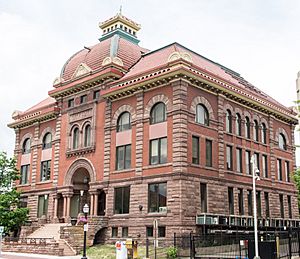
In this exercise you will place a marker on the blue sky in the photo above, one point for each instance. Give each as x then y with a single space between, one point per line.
258 39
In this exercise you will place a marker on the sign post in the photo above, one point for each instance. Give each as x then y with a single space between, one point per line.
155 227
1 232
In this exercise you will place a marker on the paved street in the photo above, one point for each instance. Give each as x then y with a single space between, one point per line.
8 255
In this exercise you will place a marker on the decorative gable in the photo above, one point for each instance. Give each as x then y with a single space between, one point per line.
82 69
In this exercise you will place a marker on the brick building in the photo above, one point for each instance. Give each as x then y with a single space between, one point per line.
165 134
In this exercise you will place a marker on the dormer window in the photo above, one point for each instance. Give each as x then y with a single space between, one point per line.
83 98
130 31
121 26
126 29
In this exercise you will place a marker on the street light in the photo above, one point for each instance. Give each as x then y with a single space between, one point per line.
255 176
86 210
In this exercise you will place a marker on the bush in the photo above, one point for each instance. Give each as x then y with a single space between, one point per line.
172 252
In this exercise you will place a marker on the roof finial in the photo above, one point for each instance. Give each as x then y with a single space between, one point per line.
120 12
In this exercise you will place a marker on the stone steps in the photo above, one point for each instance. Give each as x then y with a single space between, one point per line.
53 231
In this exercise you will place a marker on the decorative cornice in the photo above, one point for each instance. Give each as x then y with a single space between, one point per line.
199 79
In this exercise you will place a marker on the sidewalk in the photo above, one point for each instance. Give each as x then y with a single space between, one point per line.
10 255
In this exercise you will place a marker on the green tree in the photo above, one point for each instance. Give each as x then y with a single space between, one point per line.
12 216
296 178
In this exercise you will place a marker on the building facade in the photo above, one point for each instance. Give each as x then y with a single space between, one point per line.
141 135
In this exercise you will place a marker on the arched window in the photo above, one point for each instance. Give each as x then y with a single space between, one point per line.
282 142
87 136
47 140
202 115
255 130
158 113
26 146
124 122
238 125
228 121
263 133
247 127
75 142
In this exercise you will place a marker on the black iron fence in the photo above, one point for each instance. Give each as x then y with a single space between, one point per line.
239 245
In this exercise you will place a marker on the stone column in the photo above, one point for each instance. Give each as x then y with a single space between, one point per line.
180 134
107 140
65 206
96 204
56 143
221 134
34 147
92 204
55 206
139 133
68 206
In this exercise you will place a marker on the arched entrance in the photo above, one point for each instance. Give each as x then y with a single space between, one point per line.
80 183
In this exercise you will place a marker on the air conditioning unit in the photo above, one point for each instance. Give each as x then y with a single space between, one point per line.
267 223
215 221
162 209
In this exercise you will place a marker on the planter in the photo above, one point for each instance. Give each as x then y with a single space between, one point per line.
73 221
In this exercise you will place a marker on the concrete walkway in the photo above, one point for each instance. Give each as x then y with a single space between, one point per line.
10 255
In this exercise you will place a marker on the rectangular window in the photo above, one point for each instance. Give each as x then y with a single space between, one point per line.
114 232
229 157
287 171
124 231
258 203
281 205
279 170
208 144
83 98
196 153
149 231
24 174
248 162
123 158
231 200
241 202
239 162
96 95
23 202
265 166
256 160
161 231
42 206
71 103
250 212
289 206
122 198
267 206
157 197
158 151
45 170
203 197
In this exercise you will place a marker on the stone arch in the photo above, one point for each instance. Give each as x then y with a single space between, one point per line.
77 164
263 120
72 128
247 114
202 100
120 110
44 132
85 123
255 117
283 132
155 99
227 106
240 112
27 135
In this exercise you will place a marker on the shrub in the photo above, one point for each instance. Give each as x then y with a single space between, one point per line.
172 252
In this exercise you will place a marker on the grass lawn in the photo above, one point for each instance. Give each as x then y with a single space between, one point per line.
109 252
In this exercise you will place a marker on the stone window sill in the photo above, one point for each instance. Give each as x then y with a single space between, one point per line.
44 182
158 165
80 151
124 171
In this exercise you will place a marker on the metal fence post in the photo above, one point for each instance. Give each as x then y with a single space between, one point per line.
174 239
290 243
191 246
298 235
147 247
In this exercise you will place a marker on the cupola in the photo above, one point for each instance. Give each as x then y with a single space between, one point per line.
120 25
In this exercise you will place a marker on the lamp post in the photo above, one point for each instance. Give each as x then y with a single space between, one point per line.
255 176
85 228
